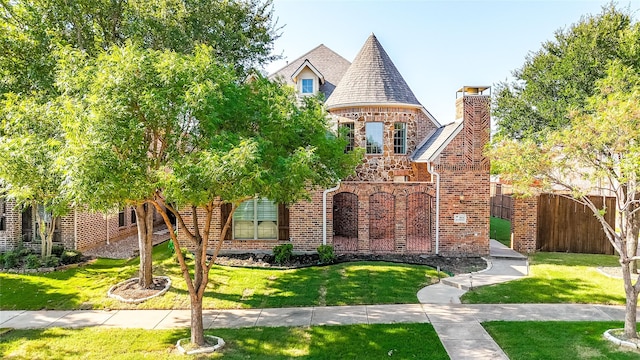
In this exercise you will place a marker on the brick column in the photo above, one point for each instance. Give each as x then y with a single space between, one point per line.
524 224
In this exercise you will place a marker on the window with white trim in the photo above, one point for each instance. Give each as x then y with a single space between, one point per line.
350 133
121 222
256 219
307 86
400 138
374 133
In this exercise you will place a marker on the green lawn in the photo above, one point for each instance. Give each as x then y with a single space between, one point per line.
500 230
401 341
557 278
340 284
556 340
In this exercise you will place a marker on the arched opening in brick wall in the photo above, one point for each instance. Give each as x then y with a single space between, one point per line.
345 221
382 222
419 222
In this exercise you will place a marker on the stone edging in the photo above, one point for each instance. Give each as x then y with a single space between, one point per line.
204 349
137 301
609 336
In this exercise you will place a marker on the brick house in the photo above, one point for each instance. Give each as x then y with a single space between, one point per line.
422 188
79 230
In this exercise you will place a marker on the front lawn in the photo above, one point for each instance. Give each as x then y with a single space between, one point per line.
556 340
340 284
557 278
500 229
402 341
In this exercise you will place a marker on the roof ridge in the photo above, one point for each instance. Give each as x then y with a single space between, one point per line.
307 53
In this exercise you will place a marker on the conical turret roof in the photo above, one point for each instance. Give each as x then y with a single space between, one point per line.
372 79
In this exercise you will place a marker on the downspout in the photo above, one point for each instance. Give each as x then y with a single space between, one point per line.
324 212
75 228
432 172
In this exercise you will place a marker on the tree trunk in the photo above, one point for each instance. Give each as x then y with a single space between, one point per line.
144 221
197 328
630 326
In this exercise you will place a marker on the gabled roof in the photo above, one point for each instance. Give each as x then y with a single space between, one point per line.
372 79
333 67
433 145
307 64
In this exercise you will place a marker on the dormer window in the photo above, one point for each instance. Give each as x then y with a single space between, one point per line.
305 78
307 86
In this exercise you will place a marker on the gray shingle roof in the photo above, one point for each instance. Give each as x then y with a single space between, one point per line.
329 63
433 145
372 78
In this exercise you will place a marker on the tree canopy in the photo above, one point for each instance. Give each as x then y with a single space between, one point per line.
562 75
240 32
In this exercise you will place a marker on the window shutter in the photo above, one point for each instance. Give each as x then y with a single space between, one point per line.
225 210
283 222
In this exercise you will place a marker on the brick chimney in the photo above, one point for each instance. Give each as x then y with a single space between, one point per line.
473 106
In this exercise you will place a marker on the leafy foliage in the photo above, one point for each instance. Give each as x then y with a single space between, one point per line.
283 253
561 76
326 254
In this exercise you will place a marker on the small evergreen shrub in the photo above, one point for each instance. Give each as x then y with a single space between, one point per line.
10 259
283 253
52 261
70 257
32 261
326 254
57 250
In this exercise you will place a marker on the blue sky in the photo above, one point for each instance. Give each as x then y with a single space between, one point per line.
438 46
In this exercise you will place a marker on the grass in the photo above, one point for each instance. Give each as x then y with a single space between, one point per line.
557 340
557 278
500 230
341 284
405 341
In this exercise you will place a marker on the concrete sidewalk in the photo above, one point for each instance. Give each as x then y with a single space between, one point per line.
457 325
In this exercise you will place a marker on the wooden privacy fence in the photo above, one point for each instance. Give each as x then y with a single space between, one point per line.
501 202
566 226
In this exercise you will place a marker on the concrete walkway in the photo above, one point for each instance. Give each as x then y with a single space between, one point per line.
457 325
463 336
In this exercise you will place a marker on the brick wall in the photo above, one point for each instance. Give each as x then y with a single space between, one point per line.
465 182
383 167
10 237
524 224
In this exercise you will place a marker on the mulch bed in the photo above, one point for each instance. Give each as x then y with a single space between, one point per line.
132 290
451 265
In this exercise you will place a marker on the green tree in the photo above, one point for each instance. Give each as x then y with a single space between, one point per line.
183 133
598 153
241 32
561 75
30 144
37 34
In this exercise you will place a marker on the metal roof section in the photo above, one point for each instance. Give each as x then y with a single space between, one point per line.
372 78
433 145
330 64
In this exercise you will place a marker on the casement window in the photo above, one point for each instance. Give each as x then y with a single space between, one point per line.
400 138
307 86
3 215
256 219
121 219
282 222
374 134
350 136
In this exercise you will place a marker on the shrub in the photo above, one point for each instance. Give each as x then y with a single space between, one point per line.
52 261
326 254
10 259
32 261
283 253
70 257
23 252
57 250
